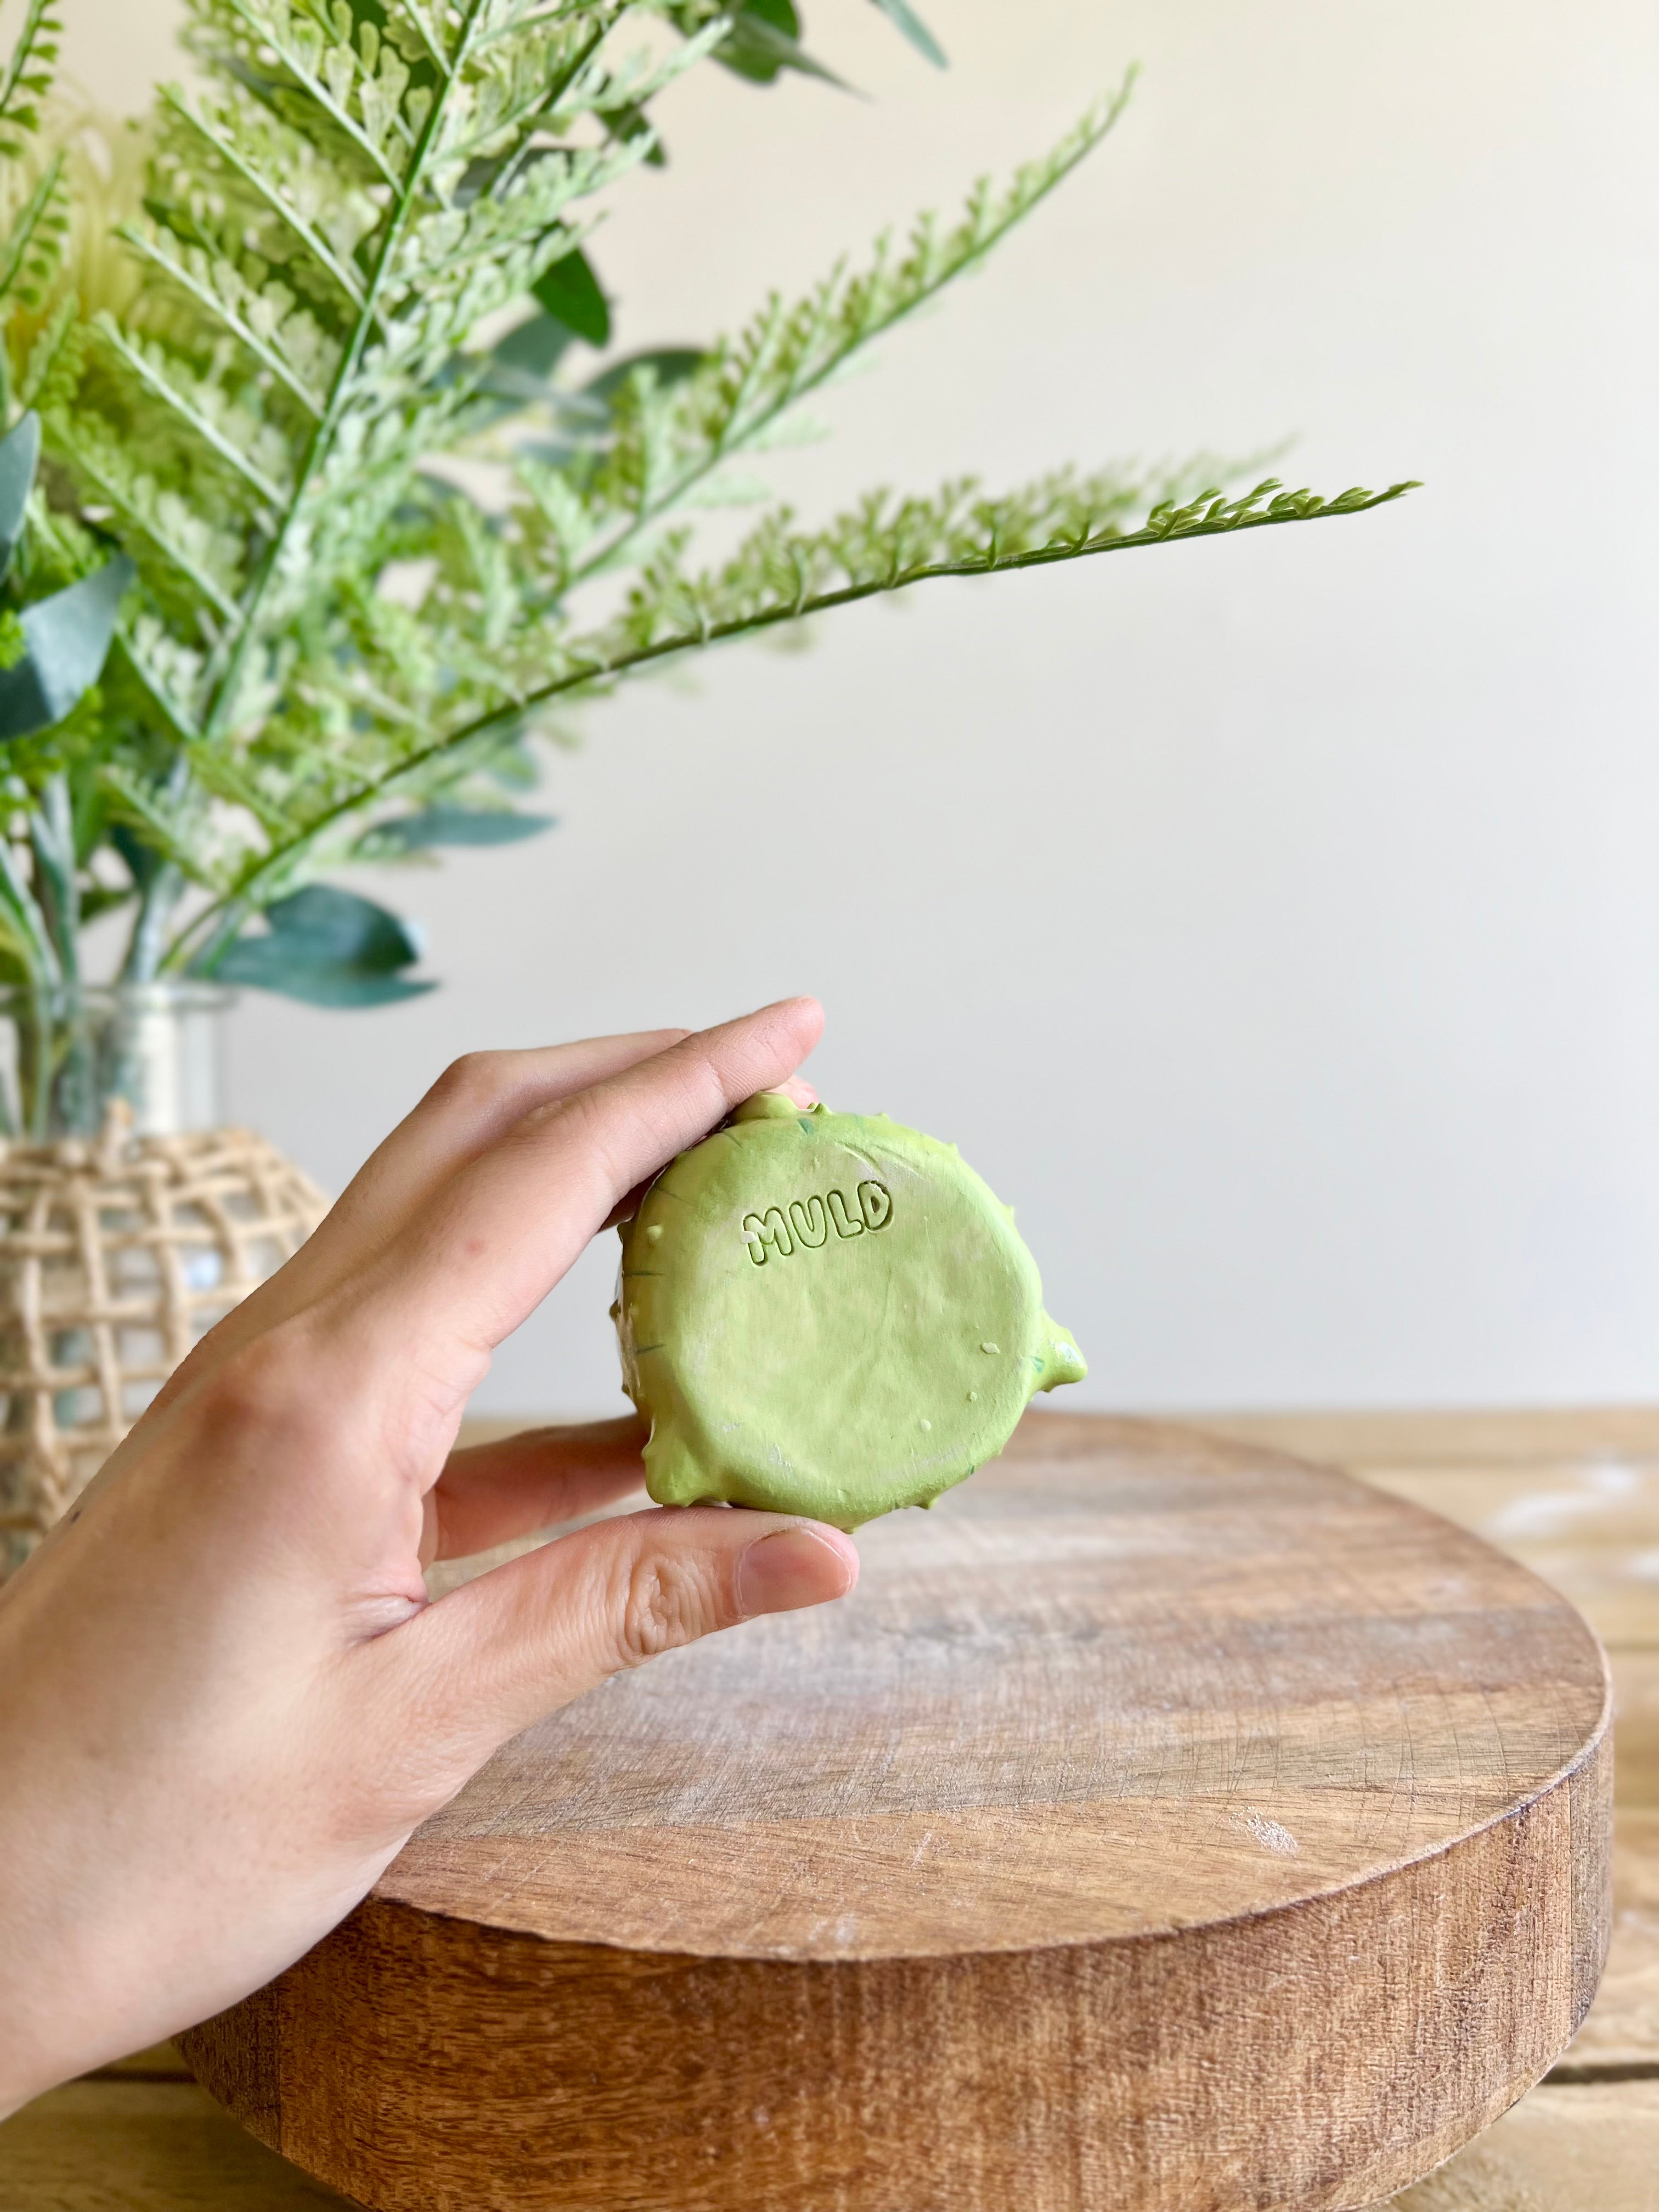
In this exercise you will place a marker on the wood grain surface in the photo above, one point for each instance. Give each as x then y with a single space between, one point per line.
1589 2149
1165 1824
127 2146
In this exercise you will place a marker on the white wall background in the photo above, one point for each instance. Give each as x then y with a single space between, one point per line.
1276 922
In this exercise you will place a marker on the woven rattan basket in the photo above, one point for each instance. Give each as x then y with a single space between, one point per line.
116 1256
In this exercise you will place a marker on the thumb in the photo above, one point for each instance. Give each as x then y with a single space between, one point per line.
498 1653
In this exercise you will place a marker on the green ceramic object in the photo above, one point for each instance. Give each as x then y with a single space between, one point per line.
828 1314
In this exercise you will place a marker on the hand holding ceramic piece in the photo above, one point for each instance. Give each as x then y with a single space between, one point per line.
828 1314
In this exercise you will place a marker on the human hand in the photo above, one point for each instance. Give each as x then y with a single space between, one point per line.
225 1700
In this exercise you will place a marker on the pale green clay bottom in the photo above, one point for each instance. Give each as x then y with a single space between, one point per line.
828 1315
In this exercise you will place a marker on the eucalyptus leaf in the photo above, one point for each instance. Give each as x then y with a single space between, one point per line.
757 48
328 947
569 291
327 923
67 639
142 861
318 985
460 825
534 349
516 373
106 899
668 365
905 19
511 767
630 124
481 176
20 457
555 453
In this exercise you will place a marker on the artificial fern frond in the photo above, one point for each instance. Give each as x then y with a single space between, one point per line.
394 283
276 192
668 440
170 673
222 419
27 75
223 777
278 50
33 245
55 359
332 647
782 575
200 562
170 829
321 216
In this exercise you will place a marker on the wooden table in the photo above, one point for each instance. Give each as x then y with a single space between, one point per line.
1575 1495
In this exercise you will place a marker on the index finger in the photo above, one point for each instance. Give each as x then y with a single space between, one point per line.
470 1104
480 1257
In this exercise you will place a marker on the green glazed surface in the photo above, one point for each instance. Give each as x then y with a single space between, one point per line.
828 1314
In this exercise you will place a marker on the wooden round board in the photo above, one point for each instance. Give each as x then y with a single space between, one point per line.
1163 1827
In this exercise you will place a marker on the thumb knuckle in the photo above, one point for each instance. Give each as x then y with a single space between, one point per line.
666 1603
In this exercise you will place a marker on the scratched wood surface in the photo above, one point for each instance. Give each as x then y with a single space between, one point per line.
1165 1821
1574 1494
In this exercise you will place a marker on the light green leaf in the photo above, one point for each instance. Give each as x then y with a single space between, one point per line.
20 457
764 40
459 825
906 21
68 637
533 349
28 72
33 244
665 366
569 292
327 947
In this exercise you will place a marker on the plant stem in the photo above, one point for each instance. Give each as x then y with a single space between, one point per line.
60 1052
742 434
158 896
33 1065
217 924
147 944
321 439
57 887
32 939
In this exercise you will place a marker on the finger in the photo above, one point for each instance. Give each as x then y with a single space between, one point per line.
466 1109
798 1092
471 1267
489 1493
501 1651
473 1102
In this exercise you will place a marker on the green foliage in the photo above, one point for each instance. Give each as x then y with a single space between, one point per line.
900 13
26 78
52 653
451 825
569 293
20 459
329 646
65 641
31 247
329 948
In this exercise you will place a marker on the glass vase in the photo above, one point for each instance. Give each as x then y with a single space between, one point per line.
130 1221
148 1054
